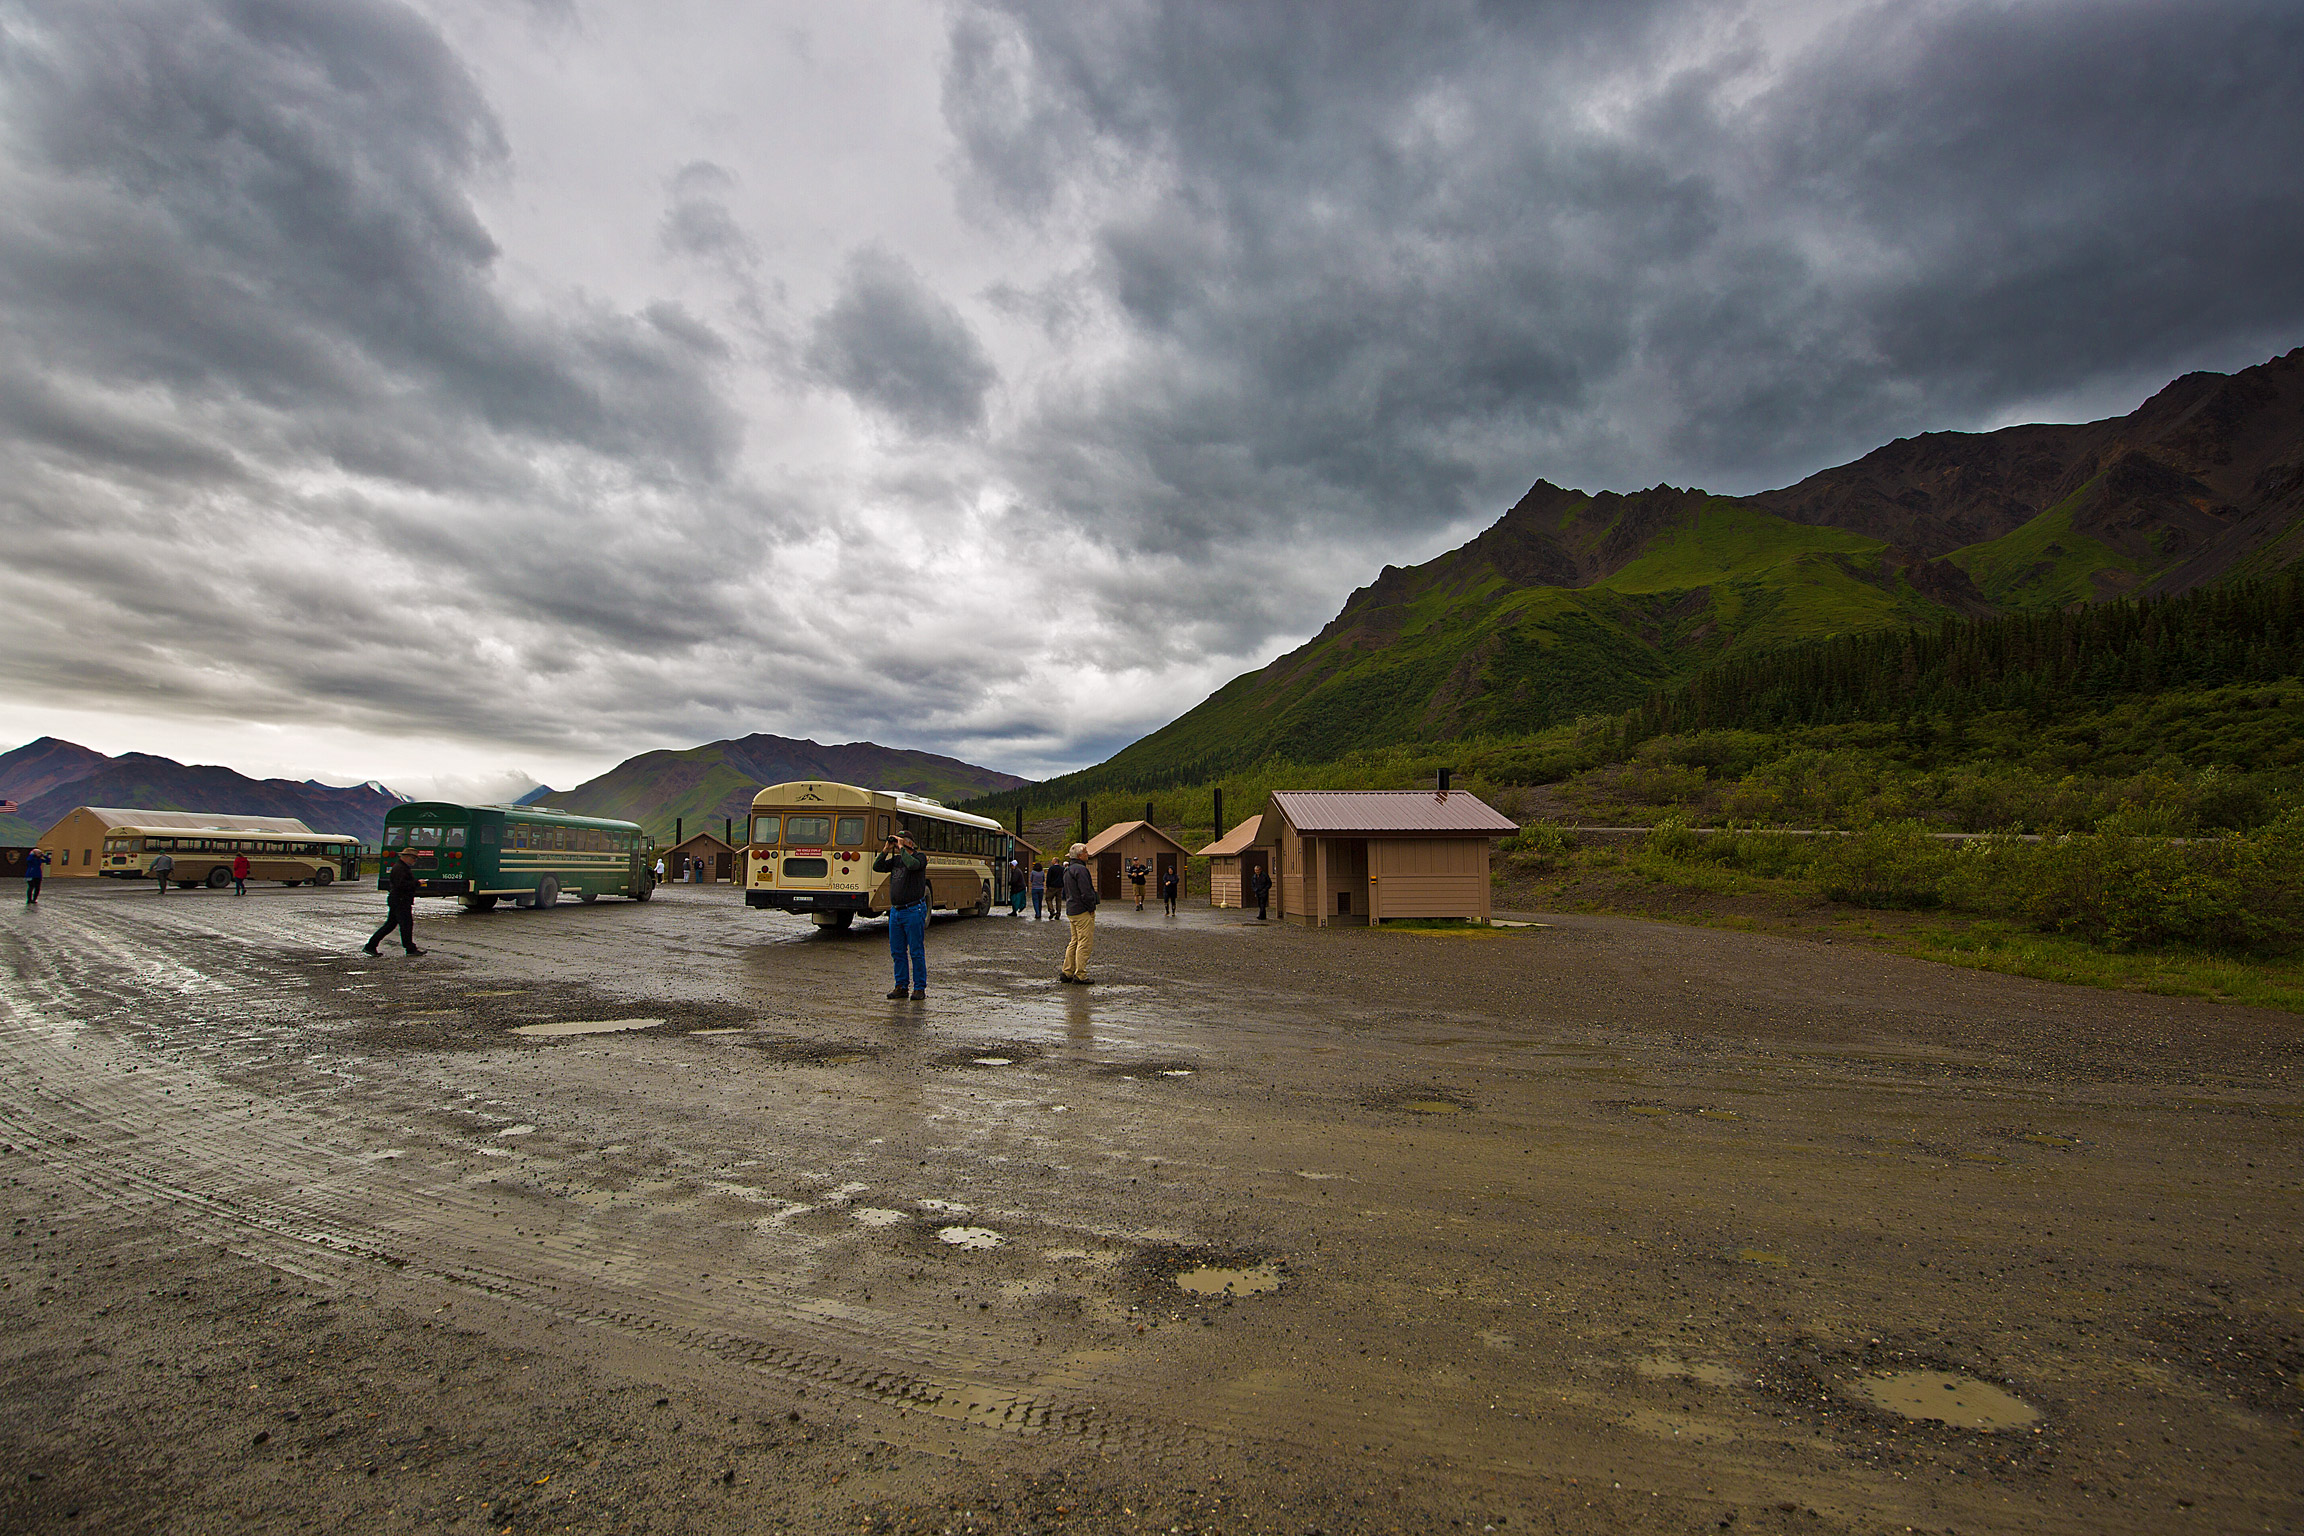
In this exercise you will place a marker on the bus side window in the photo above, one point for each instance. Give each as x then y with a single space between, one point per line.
395 837
455 838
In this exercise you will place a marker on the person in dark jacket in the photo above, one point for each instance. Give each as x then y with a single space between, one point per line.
1137 870
239 874
907 870
35 866
1260 886
1039 890
1080 900
399 905
1168 884
163 871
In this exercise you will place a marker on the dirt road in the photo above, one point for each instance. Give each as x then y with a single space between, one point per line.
1600 1226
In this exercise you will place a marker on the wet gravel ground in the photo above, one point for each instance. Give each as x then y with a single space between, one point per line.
1595 1226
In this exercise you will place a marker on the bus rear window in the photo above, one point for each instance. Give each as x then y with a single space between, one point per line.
427 837
851 831
807 831
766 829
455 838
395 837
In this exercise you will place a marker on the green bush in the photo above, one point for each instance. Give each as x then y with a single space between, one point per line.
1887 864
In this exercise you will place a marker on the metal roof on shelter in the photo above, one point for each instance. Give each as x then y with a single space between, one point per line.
1358 812
196 821
1121 829
1233 843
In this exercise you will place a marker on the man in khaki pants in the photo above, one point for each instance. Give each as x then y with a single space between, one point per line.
1080 900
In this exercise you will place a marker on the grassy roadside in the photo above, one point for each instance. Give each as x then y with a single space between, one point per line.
1637 883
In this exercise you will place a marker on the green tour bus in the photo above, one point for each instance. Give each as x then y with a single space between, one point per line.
482 854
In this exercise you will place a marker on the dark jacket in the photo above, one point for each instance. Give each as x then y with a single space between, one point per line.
907 872
1168 885
1260 885
35 865
1079 889
400 886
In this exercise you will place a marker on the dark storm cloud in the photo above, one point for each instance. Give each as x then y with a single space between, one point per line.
898 347
242 273
1379 267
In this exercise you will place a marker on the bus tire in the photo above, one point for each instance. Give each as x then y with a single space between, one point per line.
547 893
218 878
323 876
983 903
587 897
479 903
646 890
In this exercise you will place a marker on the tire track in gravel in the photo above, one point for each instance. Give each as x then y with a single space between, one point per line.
300 1189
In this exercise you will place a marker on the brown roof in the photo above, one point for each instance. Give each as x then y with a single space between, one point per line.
1351 812
195 821
1233 843
698 840
1121 829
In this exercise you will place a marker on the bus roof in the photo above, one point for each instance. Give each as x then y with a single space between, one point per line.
905 801
437 810
271 833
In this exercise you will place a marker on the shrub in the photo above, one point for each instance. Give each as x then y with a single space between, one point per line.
1886 864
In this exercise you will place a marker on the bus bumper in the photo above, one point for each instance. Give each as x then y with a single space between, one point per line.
810 901
443 887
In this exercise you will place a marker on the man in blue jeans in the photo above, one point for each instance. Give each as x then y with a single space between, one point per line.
907 870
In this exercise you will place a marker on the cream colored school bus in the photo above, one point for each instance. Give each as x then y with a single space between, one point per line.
204 856
811 843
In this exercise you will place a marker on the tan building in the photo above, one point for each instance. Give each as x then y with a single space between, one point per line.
711 858
1113 847
1233 860
1361 856
77 841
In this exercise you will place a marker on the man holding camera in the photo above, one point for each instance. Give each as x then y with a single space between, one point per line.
907 870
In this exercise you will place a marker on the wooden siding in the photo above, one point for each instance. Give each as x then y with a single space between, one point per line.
1429 877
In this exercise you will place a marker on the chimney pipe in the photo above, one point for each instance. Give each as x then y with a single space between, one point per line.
677 839
1147 813
1019 815
1219 810
1445 774
1083 821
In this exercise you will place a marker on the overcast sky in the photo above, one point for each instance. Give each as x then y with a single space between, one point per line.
453 390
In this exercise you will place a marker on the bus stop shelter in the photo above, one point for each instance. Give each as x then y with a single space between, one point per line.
1358 857
1111 849
1233 860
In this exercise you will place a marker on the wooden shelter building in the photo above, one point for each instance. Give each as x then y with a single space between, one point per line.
1233 860
1113 847
77 841
1360 856
713 859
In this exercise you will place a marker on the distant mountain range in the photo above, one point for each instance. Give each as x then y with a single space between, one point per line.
1575 603
708 786
49 778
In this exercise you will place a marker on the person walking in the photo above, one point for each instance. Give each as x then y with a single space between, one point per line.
1260 886
164 870
1168 890
239 874
659 871
35 867
1017 881
399 904
1080 901
1039 891
907 870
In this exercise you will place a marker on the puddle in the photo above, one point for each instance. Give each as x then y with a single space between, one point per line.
517 1130
1177 1072
1648 1109
946 1207
970 1237
873 1216
994 1061
1421 1101
1762 1257
508 992
1960 1401
1710 1373
586 1027
707 1033
1230 1282
2048 1139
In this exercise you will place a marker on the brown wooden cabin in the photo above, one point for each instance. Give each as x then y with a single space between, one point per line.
1361 856
716 857
1111 848
1232 860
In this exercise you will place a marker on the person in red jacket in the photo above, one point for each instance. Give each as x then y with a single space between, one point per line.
239 874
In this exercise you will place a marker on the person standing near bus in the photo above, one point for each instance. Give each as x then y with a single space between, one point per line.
163 869
239 874
35 866
1039 891
1017 881
399 904
907 870
1080 900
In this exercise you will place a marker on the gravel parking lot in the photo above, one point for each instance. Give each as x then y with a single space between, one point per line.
658 1217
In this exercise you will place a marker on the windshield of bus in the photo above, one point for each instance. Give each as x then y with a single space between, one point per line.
807 831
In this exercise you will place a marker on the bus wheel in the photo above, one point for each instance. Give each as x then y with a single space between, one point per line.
587 897
647 889
479 903
983 903
323 876
547 891
219 877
